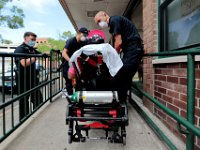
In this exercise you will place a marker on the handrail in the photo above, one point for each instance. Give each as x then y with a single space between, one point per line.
189 123
26 93
194 51
39 94
22 55
170 112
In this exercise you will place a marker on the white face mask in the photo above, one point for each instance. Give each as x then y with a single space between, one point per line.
83 38
103 24
31 43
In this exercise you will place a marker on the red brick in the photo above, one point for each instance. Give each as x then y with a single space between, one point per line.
145 60
148 104
197 93
177 65
169 86
198 84
196 147
167 98
158 83
162 101
172 107
161 65
172 79
183 81
161 114
157 71
196 121
183 65
180 88
155 110
196 102
183 137
171 122
173 94
176 132
180 104
198 141
197 112
180 72
199 102
167 71
183 97
157 94
183 113
160 77
161 90
197 74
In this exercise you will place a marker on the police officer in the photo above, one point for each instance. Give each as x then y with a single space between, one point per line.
27 75
125 38
71 46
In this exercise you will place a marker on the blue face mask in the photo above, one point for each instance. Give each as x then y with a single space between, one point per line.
31 43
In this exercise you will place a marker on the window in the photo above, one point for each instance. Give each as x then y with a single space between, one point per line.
180 24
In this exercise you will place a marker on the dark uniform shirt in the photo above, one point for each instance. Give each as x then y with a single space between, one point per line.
25 49
124 27
131 41
72 45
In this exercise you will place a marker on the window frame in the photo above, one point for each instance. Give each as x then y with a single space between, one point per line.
163 28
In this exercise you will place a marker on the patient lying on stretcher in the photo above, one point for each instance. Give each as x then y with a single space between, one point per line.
96 46
109 56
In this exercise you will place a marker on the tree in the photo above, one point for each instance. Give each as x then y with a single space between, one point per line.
1 38
66 35
14 16
11 17
55 44
52 44
6 41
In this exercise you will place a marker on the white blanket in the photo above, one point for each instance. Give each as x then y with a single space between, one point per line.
110 57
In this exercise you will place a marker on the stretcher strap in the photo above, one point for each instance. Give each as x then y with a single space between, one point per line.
91 61
96 125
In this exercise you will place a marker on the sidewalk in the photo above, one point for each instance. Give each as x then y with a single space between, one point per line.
49 132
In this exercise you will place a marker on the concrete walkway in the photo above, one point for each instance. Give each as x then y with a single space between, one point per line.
49 132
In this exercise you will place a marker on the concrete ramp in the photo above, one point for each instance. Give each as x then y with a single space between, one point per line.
49 132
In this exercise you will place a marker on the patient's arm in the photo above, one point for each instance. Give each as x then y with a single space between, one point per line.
65 54
118 42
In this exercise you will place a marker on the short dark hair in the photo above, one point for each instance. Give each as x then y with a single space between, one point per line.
30 34
83 30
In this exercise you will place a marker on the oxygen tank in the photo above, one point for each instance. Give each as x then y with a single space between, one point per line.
94 97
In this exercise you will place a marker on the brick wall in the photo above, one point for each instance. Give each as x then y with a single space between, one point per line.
166 82
150 45
171 90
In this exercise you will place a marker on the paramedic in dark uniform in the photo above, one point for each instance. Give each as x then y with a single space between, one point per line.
125 38
26 74
71 46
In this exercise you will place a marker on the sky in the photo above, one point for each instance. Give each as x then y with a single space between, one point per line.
46 18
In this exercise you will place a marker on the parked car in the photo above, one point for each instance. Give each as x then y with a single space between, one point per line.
43 74
9 82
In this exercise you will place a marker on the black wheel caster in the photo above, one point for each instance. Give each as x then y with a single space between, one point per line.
83 139
69 139
124 140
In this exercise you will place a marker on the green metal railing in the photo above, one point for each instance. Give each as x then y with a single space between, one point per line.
47 83
191 129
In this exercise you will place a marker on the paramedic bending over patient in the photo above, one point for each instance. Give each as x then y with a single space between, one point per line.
71 46
125 38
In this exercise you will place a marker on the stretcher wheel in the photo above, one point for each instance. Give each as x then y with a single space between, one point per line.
124 140
70 139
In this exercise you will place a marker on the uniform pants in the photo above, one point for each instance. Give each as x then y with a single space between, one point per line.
123 80
36 97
